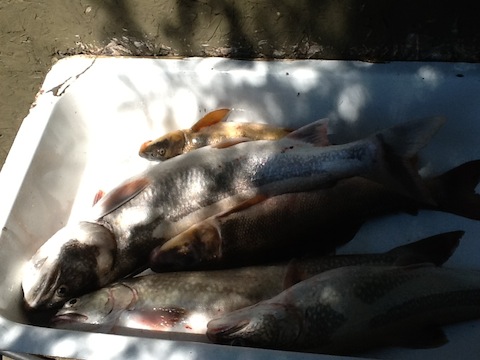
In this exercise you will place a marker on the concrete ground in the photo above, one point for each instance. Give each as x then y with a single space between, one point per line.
34 34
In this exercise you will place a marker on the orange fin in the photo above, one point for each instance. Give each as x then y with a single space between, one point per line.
119 196
243 206
315 133
100 194
211 118
230 142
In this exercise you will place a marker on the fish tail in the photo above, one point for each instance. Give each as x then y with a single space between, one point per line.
436 249
400 144
454 190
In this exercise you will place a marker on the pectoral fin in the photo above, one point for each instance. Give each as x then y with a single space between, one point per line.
118 196
197 245
230 142
211 118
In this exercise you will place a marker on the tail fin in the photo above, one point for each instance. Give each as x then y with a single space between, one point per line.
408 138
400 144
454 191
435 249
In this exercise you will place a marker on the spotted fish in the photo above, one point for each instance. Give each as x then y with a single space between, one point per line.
186 301
352 309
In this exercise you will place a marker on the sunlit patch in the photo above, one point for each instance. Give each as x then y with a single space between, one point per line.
351 101
429 75
329 295
305 79
137 214
106 347
64 347
185 115
196 323
10 335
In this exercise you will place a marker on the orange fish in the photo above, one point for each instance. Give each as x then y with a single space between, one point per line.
209 130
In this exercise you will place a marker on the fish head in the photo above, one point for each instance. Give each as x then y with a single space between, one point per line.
74 261
99 309
261 325
164 147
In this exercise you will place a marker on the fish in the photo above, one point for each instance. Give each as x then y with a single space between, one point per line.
185 301
352 309
143 212
209 130
323 219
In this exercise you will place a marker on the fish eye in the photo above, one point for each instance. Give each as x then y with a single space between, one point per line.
62 291
162 151
72 302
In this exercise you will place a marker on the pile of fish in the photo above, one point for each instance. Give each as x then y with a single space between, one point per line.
229 203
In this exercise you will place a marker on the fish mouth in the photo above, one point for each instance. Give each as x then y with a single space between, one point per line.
221 331
68 318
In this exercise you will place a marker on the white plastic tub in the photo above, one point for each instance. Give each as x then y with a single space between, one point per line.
85 129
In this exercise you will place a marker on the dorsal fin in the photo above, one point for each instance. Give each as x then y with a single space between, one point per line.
119 196
211 118
315 133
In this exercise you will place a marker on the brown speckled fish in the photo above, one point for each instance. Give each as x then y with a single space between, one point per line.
323 219
186 301
209 130
351 309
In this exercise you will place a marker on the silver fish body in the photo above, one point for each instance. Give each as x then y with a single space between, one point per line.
355 308
148 209
186 301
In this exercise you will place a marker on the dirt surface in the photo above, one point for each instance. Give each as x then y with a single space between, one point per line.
34 34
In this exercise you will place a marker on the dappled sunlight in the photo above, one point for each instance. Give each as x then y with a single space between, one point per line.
351 101
431 77
183 113
306 79
119 103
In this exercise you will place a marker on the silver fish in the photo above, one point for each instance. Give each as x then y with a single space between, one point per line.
152 207
353 309
185 301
